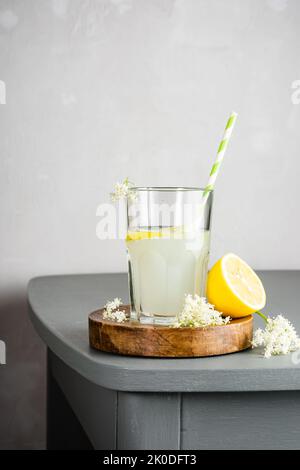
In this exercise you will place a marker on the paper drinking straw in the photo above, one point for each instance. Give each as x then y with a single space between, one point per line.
213 173
215 169
220 155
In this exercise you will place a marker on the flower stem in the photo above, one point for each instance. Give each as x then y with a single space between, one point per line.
264 317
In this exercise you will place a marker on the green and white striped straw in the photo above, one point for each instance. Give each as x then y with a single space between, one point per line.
220 155
215 169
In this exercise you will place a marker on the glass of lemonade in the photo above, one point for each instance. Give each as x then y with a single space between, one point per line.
168 238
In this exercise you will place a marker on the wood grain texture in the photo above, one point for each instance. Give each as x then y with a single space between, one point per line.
135 339
241 421
148 421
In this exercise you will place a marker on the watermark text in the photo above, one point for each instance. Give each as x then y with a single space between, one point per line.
2 92
2 352
295 97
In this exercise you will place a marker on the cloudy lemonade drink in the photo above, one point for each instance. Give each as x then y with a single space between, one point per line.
164 266
168 242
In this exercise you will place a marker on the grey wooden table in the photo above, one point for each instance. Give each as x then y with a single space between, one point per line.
103 401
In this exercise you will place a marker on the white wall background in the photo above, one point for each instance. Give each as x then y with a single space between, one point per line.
101 89
97 90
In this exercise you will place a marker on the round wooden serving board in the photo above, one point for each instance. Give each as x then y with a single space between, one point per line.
136 339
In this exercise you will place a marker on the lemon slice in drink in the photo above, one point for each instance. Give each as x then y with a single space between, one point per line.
234 288
143 235
167 232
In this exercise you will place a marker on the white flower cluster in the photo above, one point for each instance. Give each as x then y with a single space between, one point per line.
113 313
123 191
279 337
197 312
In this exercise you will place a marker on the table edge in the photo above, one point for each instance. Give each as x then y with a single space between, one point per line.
120 378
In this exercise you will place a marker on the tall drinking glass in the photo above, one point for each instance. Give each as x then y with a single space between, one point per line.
168 240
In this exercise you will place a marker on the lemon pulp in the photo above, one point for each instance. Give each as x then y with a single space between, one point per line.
234 288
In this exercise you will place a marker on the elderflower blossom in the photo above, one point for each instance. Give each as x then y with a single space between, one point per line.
112 312
123 191
197 312
278 337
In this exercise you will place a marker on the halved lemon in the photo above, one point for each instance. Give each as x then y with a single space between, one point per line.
234 288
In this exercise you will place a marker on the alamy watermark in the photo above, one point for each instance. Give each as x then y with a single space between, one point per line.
2 352
2 92
295 97
114 219
296 357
